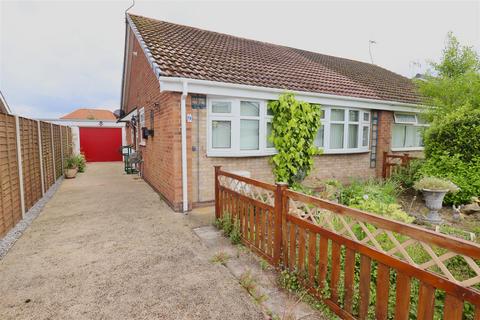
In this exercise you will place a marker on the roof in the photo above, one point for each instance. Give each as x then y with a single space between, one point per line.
90 114
4 108
187 52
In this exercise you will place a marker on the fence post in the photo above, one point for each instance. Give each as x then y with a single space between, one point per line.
53 153
217 193
279 216
40 156
20 166
61 148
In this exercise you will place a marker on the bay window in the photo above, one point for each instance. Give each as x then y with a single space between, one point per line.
407 132
343 130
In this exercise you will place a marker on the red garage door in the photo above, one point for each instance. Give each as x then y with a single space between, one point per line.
101 144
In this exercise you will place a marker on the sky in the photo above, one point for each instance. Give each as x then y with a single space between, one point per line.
57 56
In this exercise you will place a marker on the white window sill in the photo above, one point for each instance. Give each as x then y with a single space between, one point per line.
408 149
345 151
143 144
232 154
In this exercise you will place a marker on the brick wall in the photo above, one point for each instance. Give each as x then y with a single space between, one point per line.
161 166
385 127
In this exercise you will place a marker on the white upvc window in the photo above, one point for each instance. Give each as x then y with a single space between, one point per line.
343 130
407 132
238 127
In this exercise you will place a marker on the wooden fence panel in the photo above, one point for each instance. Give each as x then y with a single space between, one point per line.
47 155
10 208
327 243
32 182
57 146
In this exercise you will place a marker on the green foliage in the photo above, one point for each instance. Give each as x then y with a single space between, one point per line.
71 163
434 183
374 196
235 234
466 175
453 82
456 133
81 162
220 258
406 176
289 281
294 127
230 227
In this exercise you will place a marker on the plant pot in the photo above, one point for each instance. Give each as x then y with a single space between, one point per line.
434 201
70 173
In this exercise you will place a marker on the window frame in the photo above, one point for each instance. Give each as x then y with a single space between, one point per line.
141 124
235 118
416 124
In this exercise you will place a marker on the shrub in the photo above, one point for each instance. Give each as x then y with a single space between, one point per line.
407 175
81 162
70 163
434 183
456 133
466 175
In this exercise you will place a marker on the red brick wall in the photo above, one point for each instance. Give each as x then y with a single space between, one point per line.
161 166
385 127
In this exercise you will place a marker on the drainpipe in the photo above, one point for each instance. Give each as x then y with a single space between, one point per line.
183 111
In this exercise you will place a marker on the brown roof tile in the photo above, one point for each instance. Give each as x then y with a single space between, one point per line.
90 114
182 51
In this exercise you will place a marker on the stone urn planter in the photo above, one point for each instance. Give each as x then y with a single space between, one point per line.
71 173
434 190
434 201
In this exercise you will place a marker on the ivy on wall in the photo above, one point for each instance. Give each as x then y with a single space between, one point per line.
294 127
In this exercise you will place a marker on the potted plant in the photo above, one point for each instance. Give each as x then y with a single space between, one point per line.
434 190
70 167
81 162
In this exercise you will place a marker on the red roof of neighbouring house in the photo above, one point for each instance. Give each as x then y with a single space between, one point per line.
187 52
90 114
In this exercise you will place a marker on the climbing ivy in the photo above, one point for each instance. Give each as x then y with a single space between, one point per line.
294 127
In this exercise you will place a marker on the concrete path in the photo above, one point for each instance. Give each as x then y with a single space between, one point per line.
107 247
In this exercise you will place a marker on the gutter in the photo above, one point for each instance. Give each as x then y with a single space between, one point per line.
183 110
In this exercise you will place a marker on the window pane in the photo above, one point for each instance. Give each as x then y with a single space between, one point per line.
319 137
221 107
405 118
410 136
337 115
249 108
419 140
365 134
269 133
398 136
353 116
336 136
366 116
322 114
269 111
249 134
221 134
353 135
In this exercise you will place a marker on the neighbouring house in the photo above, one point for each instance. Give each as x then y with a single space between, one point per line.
4 108
95 133
193 99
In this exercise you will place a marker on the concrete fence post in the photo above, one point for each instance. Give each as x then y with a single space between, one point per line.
53 153
61 148
20 166
40 156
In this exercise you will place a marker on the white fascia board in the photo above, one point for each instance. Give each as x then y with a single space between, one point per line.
253 92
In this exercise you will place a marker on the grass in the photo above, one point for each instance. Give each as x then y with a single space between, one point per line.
220 258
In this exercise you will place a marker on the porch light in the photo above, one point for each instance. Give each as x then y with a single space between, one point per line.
199 101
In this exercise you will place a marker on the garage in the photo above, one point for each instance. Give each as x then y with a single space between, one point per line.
101 144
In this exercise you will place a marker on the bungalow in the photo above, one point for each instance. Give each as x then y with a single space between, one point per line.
193 99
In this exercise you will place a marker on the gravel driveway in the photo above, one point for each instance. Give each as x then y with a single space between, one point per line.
107 247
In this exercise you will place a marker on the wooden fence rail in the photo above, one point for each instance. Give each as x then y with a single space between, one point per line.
360 264
29 164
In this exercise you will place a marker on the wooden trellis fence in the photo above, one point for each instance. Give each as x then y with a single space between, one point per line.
335 250
31 159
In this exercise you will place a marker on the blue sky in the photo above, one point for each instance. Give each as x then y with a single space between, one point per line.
57 56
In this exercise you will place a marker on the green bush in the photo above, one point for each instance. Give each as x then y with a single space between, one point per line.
456 133
81 162
466 175
70 163
406 176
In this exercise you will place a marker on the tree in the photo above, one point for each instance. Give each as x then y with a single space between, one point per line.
453 82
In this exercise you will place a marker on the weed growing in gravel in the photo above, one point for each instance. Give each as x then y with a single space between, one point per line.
220 257
264 265
247 282
230 227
